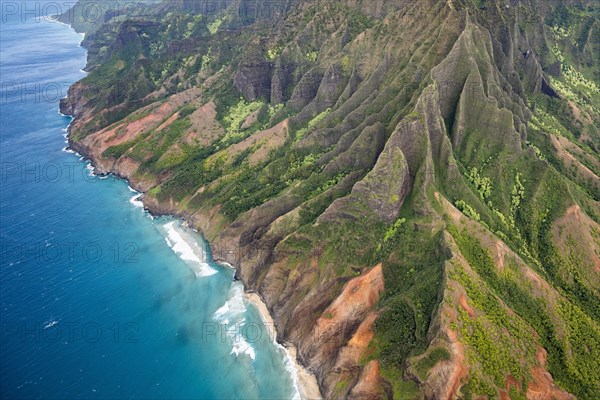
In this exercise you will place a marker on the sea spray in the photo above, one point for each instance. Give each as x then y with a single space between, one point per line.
188 250
136 199
291 365
232 316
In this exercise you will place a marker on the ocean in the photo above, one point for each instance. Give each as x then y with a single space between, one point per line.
99 300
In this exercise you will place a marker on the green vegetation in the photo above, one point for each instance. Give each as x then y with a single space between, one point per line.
273 53
517 194
312 56
473 127
214 26
120 149
574 77
207 59
312 124
392 233
567 358
403 390
412 266
233 120
467 210
483 185
430 359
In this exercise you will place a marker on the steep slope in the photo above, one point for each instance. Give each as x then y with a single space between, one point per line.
412 187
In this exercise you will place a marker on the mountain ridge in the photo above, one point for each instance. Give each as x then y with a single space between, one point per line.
335 142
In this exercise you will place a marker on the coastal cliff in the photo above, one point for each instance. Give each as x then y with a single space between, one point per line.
411 187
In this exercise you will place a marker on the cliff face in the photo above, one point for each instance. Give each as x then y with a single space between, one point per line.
412 187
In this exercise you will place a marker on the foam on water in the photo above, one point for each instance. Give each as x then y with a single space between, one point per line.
290 367
135 200
188 250
289 363
91 169
140 291
233 315
50 324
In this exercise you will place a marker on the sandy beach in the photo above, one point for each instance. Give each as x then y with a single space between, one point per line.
307 382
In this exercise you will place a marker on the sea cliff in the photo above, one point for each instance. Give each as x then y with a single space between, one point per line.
386 176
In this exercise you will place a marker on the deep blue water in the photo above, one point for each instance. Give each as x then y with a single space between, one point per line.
98 299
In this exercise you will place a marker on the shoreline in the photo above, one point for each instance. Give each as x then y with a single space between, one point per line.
305 381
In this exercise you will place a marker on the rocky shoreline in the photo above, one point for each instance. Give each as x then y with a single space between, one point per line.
318 159
74 105
305 380
307 351
308 386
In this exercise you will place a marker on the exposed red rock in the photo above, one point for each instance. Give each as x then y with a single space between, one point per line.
542 386
466 306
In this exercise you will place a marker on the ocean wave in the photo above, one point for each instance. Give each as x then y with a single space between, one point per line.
136 202
233 315
188 251
291 366
91 170
50 324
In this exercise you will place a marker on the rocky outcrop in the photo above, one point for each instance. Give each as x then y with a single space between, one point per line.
342 334
253 77
76 101
306 90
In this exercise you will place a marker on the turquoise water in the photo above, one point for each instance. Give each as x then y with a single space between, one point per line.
98 299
